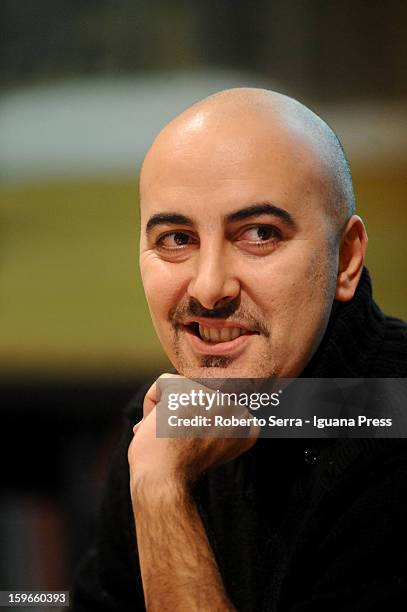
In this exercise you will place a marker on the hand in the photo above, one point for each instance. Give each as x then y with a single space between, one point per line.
180 460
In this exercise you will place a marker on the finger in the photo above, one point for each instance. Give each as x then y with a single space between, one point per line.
150 399
169 375
136 426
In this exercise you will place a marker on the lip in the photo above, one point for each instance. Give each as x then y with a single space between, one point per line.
218 324
230 348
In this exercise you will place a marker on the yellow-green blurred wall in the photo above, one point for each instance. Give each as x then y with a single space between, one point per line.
71 302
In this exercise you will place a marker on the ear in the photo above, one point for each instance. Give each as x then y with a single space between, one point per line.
352 254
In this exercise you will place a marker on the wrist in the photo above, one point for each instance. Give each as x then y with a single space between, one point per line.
157 489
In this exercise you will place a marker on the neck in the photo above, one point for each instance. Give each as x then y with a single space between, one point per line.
352 338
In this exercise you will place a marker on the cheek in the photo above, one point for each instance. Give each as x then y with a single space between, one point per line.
163 284
292 285
275 280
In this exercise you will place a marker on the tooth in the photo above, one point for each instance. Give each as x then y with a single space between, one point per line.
225 334
230 333
210 334
205 333
214 334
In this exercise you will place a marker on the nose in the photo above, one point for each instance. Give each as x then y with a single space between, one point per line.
214 282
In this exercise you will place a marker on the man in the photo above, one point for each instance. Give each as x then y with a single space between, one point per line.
252 260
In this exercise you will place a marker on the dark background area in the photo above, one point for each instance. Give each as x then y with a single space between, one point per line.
328 50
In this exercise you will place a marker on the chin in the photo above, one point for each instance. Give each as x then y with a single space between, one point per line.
203 373
220 368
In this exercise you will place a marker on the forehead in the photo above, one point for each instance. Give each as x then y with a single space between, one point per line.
211 170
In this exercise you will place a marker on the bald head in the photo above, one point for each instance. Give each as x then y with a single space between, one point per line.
247 215
232 118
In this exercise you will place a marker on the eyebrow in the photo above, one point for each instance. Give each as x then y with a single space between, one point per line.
239 215
262 209
167 219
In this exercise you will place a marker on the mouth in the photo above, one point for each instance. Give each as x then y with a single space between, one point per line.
217 337
214 335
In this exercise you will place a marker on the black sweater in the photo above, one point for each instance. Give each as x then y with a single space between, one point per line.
294 524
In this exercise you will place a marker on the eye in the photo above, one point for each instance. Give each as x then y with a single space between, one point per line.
262 235
174 240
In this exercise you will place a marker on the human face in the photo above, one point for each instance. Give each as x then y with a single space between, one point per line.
235 250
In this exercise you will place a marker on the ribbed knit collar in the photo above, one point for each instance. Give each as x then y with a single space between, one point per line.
352 339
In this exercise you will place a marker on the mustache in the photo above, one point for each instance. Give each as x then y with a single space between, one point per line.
194 308
223 312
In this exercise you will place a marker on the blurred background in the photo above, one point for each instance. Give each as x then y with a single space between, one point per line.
85 86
